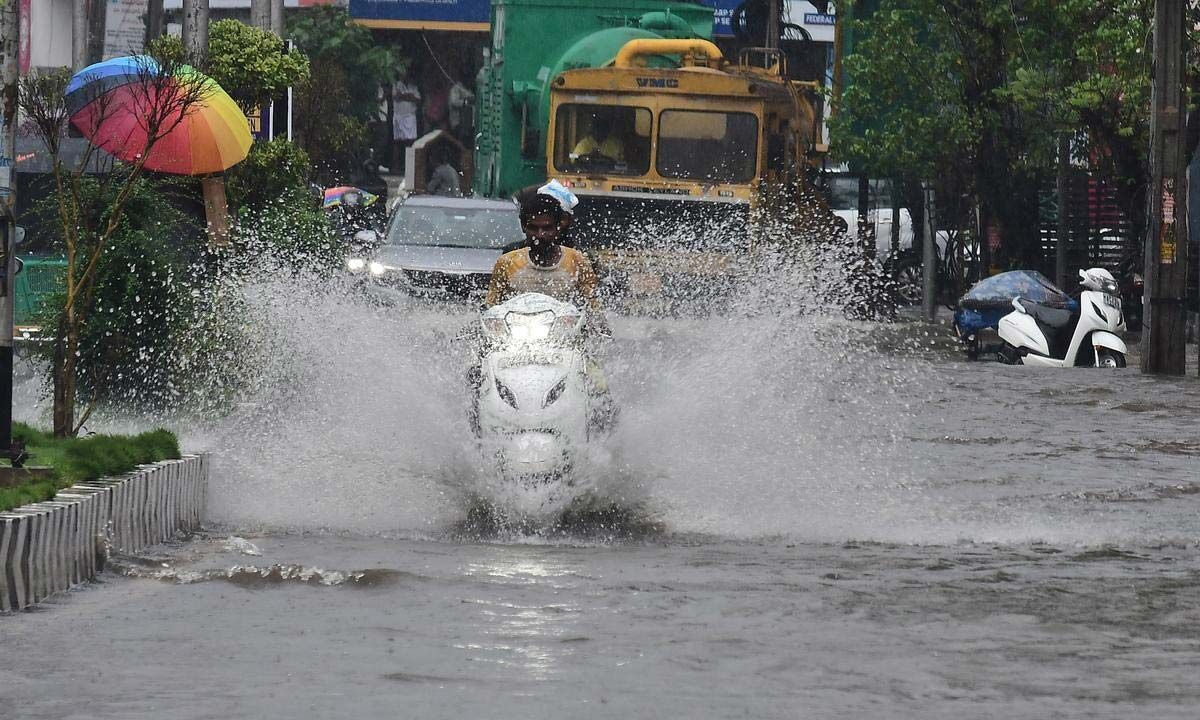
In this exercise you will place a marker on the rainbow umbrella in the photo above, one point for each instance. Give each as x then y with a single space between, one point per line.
336 196
213 135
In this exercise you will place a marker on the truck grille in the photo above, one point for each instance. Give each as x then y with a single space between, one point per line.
622 223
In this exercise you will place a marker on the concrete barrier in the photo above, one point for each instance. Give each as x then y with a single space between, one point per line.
47 547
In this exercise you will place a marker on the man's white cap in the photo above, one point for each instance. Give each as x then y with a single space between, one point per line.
562 194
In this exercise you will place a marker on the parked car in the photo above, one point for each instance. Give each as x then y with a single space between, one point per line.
439 247
841 189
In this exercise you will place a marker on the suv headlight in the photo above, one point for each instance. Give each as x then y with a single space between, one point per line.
355 264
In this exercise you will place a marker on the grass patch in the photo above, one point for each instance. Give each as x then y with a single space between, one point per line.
85 458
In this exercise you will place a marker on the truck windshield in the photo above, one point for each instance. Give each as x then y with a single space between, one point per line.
609 139
707 146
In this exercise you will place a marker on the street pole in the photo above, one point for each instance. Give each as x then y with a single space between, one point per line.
929 257
10 70
79 34
1064 228
260 14
277 17
1165 311
772 24
154 20
195 30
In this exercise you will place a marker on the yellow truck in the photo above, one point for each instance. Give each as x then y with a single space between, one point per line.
671 163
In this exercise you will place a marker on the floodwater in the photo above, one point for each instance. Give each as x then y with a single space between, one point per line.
820 519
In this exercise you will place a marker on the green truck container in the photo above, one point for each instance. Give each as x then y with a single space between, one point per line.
535 40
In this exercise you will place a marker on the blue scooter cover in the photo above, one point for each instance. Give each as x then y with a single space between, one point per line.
991 299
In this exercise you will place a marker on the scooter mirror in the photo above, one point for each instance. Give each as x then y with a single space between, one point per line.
1016 303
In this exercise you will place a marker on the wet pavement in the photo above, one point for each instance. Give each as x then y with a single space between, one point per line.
825 519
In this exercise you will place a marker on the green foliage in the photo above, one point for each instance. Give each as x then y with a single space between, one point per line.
167 46
903 113
333 108
251 64
248 63
328 35
271 170
977 96
141 303
75 460
291 233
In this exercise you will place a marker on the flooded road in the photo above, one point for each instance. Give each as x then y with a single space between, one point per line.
825 519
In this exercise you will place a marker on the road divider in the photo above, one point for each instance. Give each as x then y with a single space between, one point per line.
47 547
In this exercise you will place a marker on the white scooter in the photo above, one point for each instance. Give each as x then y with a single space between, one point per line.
537 407
1053 337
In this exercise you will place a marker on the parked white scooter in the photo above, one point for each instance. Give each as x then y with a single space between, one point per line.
1053 337
537 408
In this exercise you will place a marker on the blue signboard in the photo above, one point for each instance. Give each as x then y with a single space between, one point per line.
429 14
819 19
722 16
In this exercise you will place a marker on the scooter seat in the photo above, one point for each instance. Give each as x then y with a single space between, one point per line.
1051 317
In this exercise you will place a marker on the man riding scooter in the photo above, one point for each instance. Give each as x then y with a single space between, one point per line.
545 266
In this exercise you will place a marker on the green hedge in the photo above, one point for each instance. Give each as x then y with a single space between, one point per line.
87 458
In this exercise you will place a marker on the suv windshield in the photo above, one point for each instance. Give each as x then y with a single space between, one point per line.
610 139
453 227
707 146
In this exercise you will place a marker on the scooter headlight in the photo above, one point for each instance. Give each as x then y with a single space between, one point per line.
532 326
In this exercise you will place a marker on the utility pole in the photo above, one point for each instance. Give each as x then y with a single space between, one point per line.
1165 311
1064 228
154 20
79 34
195 31
10 71
195 45
929 256
97 21
772 24
260 14
277 17
267 15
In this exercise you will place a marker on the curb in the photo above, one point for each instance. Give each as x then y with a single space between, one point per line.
47 547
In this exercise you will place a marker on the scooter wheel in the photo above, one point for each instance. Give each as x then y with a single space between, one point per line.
1009 355
1110 359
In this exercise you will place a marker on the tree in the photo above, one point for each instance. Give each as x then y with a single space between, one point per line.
161 97
981 93
341 96
252 64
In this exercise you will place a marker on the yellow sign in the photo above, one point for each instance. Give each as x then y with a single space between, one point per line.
1166 233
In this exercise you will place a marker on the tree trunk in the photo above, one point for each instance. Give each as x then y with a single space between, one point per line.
154 20
260 14
195 31
79 34
64 382
277 17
